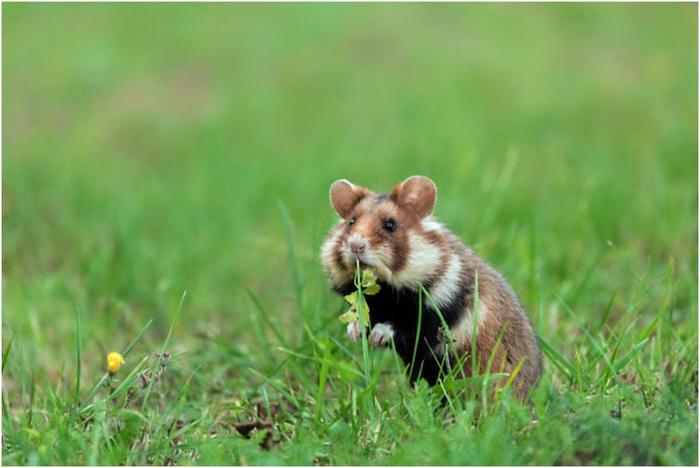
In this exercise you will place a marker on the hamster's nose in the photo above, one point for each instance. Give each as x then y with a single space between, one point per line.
357 247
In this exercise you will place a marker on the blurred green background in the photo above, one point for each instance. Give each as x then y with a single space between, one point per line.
151 149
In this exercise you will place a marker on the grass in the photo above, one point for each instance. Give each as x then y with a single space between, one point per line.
151 150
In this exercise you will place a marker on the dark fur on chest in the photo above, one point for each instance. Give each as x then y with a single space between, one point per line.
400 308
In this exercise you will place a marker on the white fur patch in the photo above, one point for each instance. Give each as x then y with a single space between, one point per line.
379 259
447 286
431 224
336 275
462 331
422 262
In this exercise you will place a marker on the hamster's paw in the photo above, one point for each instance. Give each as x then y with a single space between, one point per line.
381 334
353 331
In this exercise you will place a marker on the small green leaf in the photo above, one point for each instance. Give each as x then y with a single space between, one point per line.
348 317
368 287
351 298
368 278
365 311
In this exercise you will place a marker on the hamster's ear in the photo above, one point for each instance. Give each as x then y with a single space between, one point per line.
417 193
345 195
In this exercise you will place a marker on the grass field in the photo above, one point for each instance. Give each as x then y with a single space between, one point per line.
165 178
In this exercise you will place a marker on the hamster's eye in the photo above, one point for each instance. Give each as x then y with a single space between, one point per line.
389 225
351 221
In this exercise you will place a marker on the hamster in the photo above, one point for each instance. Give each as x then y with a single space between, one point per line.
396 236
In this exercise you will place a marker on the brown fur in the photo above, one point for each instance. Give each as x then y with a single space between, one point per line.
506 320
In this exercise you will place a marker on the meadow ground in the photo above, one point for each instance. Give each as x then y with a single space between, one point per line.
150 150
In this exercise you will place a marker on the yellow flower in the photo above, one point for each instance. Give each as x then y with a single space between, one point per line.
114 361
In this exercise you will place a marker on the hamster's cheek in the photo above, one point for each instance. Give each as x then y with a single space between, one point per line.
381 260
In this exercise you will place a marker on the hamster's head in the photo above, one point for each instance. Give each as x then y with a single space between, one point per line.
386 232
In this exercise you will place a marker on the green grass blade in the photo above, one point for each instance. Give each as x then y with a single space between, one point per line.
624 360
575 295
289 235
555 357
131 345
475 324
264 316
594 343
78 355
129 380
418 327
164 346
6 353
